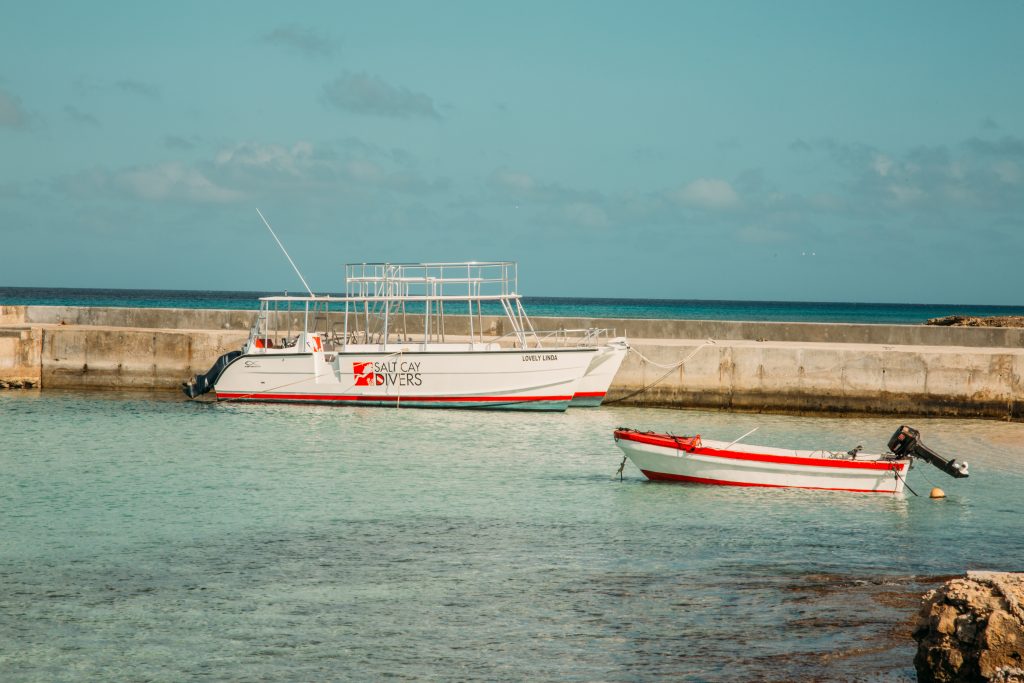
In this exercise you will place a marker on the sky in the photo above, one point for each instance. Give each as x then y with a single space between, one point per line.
790 151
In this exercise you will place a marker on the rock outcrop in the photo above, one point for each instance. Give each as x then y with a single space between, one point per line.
18 384
976 321
972 629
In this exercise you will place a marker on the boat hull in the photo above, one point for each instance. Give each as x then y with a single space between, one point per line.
594 385
494 380
771 468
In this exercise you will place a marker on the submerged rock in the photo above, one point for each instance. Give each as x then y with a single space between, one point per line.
972 629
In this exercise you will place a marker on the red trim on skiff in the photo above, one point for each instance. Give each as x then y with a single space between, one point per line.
691 445
589 394
431 399
664 476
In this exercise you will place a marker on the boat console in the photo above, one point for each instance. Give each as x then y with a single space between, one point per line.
906 441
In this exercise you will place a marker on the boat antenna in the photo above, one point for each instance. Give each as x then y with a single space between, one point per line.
285 253
741 438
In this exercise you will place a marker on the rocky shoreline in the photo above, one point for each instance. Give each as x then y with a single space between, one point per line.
973 321
972 629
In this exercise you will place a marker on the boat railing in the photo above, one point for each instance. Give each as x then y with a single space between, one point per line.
282 327
411 302
381 294
567 337
470 279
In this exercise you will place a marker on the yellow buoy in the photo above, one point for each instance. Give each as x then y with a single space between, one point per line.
937 493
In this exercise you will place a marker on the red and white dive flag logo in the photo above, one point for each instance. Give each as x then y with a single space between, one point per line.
365 376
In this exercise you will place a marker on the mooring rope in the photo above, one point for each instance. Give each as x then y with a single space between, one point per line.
622 466
670 369
897 473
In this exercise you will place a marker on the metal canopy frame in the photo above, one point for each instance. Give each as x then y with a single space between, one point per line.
378 294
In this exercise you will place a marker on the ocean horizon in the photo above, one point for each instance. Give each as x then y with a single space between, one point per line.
542 306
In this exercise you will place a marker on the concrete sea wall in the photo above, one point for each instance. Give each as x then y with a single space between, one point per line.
80 357
195 319
20 357
815 377
784 367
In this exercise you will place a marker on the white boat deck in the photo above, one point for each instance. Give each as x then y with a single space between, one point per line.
788 452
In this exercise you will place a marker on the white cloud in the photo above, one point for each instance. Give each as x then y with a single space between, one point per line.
179 142
79 116
905 194
826 201
363 93
290 160
304 40
587 215
513 180
364 170
11 112
708 193
303 167
760 234
173 181
300 170
138 88
882 165
1008 172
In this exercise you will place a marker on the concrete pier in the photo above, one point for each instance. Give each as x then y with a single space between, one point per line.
756 366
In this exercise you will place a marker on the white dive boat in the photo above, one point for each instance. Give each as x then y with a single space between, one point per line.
667 457
389 342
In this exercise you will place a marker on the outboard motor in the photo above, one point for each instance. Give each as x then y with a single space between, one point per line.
200 384
907 441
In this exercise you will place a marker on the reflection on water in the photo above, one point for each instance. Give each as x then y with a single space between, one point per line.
153 538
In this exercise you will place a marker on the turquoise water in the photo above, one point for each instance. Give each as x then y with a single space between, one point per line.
682 309
151 538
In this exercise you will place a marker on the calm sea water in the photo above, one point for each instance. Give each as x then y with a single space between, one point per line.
151 538
911 314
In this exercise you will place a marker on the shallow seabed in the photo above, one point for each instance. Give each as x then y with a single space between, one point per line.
151 538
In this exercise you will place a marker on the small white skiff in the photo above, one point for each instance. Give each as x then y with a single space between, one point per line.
666 457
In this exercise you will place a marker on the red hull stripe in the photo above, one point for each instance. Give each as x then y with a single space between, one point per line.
431 399
669 442
588 394
664 476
